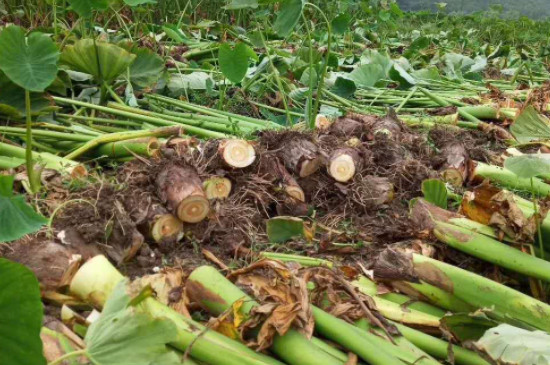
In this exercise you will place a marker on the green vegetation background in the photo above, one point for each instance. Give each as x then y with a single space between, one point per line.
535 9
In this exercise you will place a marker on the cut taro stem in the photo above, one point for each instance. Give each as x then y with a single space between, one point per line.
455 169
343 164
301 157
237 153
96 280
217 187
166 227
290 184
180 189
322 122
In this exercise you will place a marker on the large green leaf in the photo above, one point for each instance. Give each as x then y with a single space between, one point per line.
104 61
367 75
288 16
435 192
234 62
124 336
510 345
531 126
16 217
30 62
147 68
529 166
84 8
20 315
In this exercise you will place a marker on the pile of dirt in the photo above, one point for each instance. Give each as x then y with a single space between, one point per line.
352 180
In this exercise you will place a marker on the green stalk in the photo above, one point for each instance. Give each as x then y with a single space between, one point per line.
128 123
49 160
95 281
206 283
302 260
121 136
47 134
491 250
394 311
439 348
481 292
34 180
144 118
508 179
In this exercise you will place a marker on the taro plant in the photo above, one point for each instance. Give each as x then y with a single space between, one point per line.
31 63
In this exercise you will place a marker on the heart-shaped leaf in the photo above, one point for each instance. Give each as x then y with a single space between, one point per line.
12 100
234 62
340 24
104 61
367 75
30 62
21 317
288 16
16 217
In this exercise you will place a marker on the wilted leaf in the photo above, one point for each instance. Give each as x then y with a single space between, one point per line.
146 69
530 126
193 81
30 62
529 166
234 62
105 61
21 318
418 44
399 74
288 16
435 192
510 345
282 229
16 217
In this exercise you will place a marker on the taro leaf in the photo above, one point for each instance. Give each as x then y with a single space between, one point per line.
84 8
104 61
418 44
146 69
193 81
12 100
467 327
21 317
429 73
288 16
398 73
507 344
531 126
282 229
341 23
373 56
241 4
435 192
367 75
123 336
16 217
139 2
30 62
344 87
529 166
234 62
